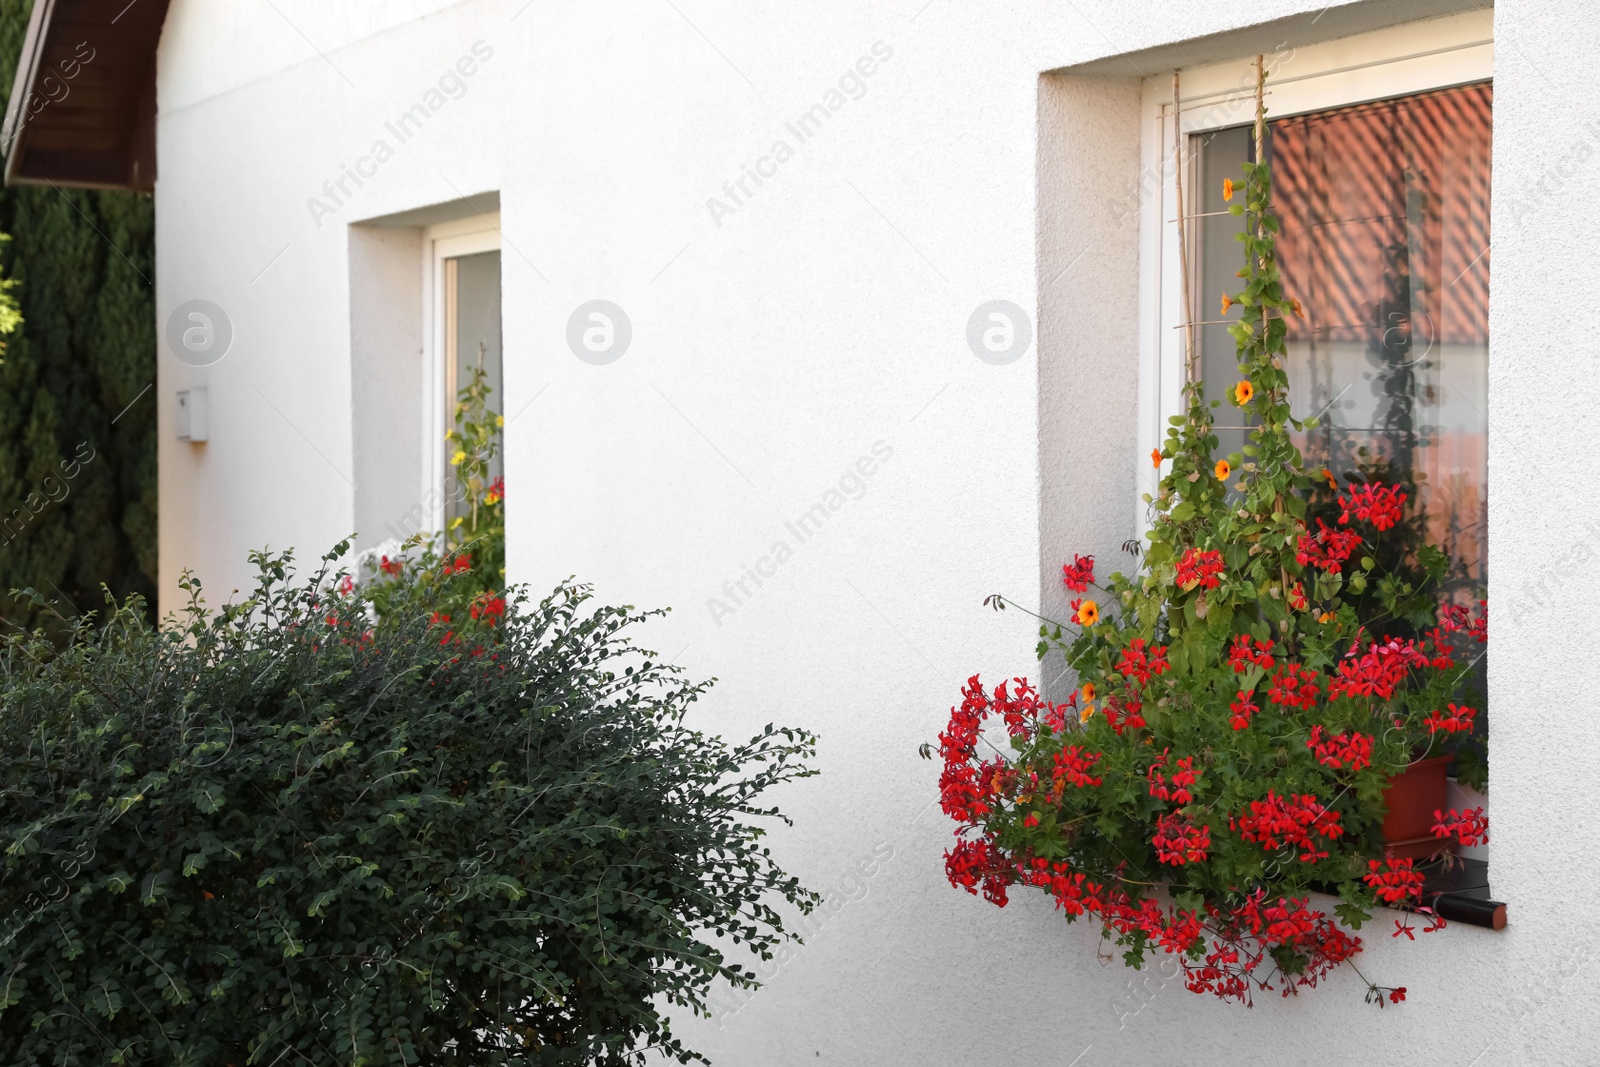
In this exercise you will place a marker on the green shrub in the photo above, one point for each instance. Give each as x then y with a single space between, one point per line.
282 832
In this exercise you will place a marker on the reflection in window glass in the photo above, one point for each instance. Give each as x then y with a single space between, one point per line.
1385 242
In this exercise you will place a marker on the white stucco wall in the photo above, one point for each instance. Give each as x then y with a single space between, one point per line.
824 316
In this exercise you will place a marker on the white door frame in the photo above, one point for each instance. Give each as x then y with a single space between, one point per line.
442 243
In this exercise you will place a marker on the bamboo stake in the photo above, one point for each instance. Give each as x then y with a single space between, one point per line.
1189 374
1261 262
1261 153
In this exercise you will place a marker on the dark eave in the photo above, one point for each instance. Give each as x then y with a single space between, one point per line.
83 107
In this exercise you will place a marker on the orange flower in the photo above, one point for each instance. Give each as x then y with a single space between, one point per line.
1243 392
1227 302
1087 713
1299 312
1088 613
1088 692
1155 458
1222 470
1227 188
1332 484
1326 616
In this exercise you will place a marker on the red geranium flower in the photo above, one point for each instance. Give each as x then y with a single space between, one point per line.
1327 548
1243 708
1199 568
1470 827
1458 721
1140 665
1079 573
1178 842
1288 822
1380 505
1243 656
1339 751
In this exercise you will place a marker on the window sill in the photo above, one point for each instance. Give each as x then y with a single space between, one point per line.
1461 894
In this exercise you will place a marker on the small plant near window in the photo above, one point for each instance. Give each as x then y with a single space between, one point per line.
1245 701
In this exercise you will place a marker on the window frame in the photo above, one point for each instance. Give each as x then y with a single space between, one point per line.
442 242
1399 61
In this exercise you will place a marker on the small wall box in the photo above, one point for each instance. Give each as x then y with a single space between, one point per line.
193 421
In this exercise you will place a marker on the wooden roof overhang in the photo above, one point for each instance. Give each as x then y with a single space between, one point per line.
82 111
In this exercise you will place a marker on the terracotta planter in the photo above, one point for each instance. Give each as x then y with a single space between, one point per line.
1412 797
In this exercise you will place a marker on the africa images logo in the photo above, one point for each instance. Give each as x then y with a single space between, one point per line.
452 85
199 332
852 484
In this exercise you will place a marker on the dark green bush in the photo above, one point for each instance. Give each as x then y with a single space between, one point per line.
283 833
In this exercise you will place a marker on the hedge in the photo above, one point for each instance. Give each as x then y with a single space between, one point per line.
285 831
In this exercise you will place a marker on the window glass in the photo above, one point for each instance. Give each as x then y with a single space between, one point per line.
1385 241
472 334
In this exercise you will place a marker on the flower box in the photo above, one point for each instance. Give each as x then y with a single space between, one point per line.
1413 797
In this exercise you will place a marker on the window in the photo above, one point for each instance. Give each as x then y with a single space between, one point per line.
1381 152
464 273
1385 240
1394 124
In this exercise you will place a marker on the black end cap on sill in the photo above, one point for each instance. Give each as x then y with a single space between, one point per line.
1473 911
